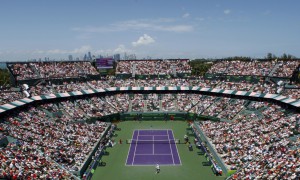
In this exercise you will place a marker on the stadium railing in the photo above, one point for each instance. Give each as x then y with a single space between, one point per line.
285 101
211 149
153 76
88 160
3 141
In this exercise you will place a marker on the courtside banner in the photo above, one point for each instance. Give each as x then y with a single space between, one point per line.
172 88
17 103
63 95
297 103
241 93
123 88
216 90
205 89
8 106
289 100
228 91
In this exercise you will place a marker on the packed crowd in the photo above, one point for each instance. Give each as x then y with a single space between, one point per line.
286 68
187 101
253 68
43 89
219 67
9 96
23 71
250 144
65 69
256 68
169 102
216 107
61 139
147 67
203 104
73 69
233 107
23 160
153 102
69 143
48 70
292 93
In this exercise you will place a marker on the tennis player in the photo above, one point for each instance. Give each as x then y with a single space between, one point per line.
157 169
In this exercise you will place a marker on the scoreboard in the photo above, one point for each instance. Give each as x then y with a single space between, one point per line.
104 63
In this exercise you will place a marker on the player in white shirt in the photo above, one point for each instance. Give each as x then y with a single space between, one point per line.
157 168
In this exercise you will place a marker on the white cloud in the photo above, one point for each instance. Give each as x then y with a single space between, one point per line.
81 50
227 11
160 24
179 28
56 51
143 40
38 52
120 49
186 15
62 53
151 25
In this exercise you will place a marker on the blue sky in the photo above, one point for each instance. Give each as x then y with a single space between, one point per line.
157 28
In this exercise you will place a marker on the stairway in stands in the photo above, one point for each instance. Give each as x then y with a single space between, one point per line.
35 70
130 106
274 69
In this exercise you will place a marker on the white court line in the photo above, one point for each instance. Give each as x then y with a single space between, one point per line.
135 148
176 149
171 147
155 164
153 145
153 154
150 136
129 150
153 135
154 129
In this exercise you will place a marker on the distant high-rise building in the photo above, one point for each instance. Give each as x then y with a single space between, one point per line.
117 57
70 58
46 59
89 56
85 57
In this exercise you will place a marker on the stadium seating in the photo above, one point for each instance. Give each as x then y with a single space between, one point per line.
153 66
54 134
49 70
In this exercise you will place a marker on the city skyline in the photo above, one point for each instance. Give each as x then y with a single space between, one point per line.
159 29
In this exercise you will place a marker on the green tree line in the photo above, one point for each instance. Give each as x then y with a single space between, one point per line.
200 66
284 56
4 77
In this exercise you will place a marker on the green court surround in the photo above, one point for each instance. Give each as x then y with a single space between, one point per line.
193 162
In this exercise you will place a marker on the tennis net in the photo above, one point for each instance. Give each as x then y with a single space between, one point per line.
134 141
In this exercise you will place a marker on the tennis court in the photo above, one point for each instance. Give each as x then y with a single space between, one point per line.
150 147
191 167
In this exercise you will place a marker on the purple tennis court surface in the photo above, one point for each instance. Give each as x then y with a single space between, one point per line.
149 153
